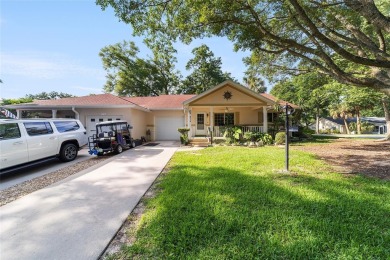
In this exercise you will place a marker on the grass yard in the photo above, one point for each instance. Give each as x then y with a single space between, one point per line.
232 203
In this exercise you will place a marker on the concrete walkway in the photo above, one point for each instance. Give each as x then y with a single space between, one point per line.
77 218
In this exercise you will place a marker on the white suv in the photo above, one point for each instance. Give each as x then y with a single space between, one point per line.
26 141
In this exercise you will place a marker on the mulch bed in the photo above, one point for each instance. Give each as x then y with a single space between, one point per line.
368 157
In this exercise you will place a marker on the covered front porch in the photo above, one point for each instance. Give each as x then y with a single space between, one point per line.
214 120
226 105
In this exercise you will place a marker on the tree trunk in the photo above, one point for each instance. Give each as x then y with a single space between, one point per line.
358 123
318 121
386 108
346 125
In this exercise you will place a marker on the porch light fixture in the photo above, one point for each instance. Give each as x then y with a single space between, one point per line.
289 111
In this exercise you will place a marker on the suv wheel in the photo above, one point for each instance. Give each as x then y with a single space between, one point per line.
68 152
119 149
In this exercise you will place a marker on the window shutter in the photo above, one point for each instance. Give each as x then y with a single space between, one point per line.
260 117
237 118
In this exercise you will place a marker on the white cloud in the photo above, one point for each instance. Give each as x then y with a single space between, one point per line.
44 66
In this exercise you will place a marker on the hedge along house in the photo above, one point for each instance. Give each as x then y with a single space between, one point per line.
226 104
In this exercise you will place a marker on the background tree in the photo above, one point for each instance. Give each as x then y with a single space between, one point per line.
253 80
41 96
311 91
347 40
341 111
30 98
50 95
357 99
130 75
206 71
281 34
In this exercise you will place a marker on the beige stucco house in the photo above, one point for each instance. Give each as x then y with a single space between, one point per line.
226 104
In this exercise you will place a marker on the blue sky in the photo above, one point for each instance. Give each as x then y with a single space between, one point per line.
53 46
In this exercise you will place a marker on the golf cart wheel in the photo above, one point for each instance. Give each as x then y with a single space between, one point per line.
99 154
119 149
132 144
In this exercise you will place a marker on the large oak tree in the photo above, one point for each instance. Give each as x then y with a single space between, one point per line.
327 35
347 40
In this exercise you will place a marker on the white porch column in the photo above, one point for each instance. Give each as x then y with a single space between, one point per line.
189 122
212 116
54 113
19 113
265 120
212 119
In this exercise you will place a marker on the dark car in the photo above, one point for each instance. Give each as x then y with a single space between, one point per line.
111 136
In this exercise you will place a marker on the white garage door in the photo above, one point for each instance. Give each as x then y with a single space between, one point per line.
166 128
93 120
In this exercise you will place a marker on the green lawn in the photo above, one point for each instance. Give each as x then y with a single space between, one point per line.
233 203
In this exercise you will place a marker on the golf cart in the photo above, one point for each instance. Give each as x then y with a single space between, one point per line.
111 136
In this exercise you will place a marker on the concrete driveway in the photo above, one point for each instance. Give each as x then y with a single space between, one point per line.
77 217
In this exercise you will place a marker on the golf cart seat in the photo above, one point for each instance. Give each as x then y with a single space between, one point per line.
106 136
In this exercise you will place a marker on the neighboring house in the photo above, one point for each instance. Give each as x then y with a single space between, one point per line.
226 104
337 124
378 122
332 124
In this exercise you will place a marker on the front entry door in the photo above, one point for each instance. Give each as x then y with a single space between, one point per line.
200 124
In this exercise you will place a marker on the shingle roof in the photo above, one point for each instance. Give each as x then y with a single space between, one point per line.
96 100
160 102
154 103
280 101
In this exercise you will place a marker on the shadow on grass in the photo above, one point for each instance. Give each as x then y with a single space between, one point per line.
220 213
314 140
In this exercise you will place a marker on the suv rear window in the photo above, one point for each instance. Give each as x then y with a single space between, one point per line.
38 128
66 126
9 131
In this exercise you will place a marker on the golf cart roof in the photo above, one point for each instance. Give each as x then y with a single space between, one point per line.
112 122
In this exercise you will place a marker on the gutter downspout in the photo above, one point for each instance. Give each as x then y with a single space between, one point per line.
77 113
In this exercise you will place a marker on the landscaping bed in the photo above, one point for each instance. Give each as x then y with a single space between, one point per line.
368 157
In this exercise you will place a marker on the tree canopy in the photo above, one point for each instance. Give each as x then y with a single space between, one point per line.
130 75
206 71
41 96
347 40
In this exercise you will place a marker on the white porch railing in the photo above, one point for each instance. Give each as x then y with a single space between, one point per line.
255 129
218 131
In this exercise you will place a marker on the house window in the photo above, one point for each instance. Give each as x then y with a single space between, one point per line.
221 119
271 117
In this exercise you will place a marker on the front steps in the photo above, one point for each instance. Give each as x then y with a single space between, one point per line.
200 142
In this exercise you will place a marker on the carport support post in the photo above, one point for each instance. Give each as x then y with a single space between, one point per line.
54 113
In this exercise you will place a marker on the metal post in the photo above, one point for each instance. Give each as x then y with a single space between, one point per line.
287 138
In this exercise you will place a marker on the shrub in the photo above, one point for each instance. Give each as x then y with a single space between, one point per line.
280 138
183 135
266 139
367 128
232 134
263 138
